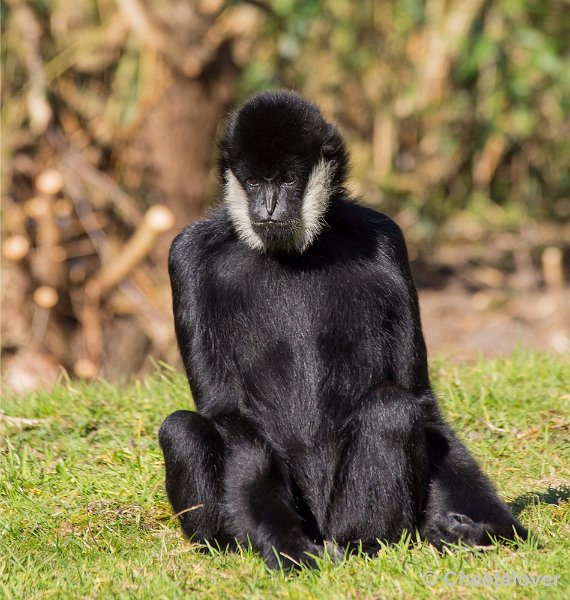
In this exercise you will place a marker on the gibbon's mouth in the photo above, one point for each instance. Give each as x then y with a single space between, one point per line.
277 224
277 235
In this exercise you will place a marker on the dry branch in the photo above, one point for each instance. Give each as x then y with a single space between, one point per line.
81 173
190 57
39 109
157 220
21 421
554 278
15 247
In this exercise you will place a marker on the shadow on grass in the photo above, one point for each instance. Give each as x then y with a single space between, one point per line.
550 496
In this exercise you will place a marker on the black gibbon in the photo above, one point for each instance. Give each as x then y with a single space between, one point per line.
298 325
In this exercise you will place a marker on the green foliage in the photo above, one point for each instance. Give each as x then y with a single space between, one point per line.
83 511
442 101
438 99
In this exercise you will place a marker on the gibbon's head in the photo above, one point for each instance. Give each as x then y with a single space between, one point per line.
280 162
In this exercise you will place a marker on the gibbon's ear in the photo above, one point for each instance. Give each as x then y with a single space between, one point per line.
222 165
333 146
334 152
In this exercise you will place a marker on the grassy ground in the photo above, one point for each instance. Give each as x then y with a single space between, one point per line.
83 511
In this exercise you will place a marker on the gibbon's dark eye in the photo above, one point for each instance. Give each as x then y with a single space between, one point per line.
289 180
252 182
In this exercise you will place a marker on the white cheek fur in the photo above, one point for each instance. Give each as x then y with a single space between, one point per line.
238 207
315 202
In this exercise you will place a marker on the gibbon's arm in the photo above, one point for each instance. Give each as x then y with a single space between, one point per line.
408 350
183 262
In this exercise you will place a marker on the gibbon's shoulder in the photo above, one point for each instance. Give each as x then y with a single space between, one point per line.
362 220
201 237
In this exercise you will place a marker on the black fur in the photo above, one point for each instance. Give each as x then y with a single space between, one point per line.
316 420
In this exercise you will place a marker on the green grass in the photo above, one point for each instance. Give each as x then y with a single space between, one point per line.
83 512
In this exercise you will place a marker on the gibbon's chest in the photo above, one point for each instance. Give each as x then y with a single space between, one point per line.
295 326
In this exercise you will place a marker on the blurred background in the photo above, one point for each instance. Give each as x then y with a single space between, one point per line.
457 114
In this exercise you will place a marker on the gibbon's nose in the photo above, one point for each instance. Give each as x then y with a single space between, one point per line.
270 203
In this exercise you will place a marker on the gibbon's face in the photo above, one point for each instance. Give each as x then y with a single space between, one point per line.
278 171
278 209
